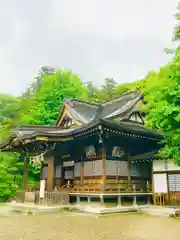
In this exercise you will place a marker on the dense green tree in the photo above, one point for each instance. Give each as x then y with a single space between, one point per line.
9 109
9 113
163 95
48 98
36 84
162 91
7 181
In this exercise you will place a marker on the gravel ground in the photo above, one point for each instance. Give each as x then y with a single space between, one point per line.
72 227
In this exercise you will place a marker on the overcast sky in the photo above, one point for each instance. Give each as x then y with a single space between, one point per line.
94 38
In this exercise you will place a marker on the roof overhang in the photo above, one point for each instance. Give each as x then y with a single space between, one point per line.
128 128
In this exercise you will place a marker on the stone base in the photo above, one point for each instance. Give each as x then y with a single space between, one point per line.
105 210
160 211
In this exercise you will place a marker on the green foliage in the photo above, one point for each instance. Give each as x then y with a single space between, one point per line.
9 109
40 104
8 172
48 98
108 89
176 36
163 95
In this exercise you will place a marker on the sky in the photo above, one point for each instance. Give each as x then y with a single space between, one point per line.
94 38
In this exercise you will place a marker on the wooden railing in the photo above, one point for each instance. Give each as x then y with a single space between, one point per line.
174 198
50 198
113 188
53 198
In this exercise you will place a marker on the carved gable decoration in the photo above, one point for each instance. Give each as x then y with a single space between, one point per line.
117 151
90 151
67 121
136 117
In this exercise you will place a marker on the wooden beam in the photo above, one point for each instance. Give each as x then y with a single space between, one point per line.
47 139
142 156
50 174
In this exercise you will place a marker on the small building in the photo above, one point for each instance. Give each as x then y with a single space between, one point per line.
166 177
96 151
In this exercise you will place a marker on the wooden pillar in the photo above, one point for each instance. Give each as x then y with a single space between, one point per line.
25 177
153 196
129 170
103 165
168 201
167 181
25 173
50 174
82 172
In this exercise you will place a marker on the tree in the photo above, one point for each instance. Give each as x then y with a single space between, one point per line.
49 96
176 35
163 95
108 89
44 71
7 181
93 93
9 116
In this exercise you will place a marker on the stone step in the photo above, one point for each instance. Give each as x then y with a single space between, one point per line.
159 211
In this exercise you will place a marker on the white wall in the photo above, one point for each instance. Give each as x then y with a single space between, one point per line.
160 165
171 166
160 183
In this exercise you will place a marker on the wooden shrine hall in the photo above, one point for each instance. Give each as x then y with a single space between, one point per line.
93 150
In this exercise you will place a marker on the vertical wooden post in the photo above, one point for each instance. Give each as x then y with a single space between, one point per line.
103 166
25 176
50 174
167 180
168 192
153 196
82 172
129 171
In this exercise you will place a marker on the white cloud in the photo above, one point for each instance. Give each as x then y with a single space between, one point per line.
120 39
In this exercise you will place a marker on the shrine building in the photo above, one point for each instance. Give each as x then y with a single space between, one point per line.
96 151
